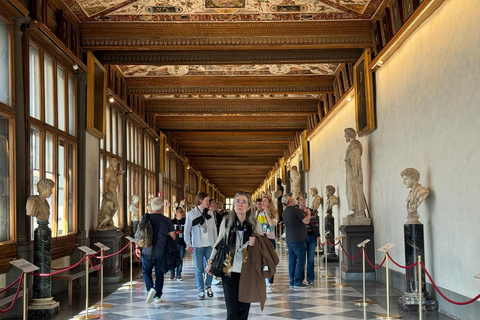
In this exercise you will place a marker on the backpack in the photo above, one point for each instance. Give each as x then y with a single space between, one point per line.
144 233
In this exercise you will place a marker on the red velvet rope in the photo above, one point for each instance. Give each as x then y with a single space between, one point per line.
399 265
443 296
99 266
371 265
344 251
59 271
13 283
331 244
114 254
20 281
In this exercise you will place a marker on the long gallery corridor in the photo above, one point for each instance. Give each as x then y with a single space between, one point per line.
320 301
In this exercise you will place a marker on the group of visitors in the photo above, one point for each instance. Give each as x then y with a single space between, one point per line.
248 236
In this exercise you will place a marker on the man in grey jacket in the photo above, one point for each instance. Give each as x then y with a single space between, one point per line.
200 236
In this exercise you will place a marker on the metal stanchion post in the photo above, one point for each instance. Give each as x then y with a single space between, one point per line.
319 267
26 267
102 305
385 249
131 284
87 252
420 293
363 302
325 254
340 254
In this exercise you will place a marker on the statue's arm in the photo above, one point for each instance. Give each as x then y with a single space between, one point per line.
357 165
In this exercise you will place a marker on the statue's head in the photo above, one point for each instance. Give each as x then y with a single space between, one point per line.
134 198
330 189
108 195
350 133
279 181
44 185
294 168
113 162
411 173
313 191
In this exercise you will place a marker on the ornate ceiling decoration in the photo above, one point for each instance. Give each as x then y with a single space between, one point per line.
221 10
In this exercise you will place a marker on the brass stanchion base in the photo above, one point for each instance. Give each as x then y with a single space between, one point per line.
90 316
390 316
327 275
319 268
128 286
365 303
103 306
340 285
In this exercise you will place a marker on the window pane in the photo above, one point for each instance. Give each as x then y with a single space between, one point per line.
71 169
108 136
120 136
4 63
71 105
4 181
49 163
101 180
34 60
60 186
61 98
34 160
114 131
49 102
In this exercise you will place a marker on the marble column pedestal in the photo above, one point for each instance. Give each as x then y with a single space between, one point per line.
330 226
42 305
112 272
353 269
414 247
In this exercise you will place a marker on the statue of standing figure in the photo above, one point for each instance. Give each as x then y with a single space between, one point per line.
134 211
37 206
332 200
295 178
110 198
354 181
417 194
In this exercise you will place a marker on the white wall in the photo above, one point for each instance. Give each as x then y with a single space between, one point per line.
92 190
428 115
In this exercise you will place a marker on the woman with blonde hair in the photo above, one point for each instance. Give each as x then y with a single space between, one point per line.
268 219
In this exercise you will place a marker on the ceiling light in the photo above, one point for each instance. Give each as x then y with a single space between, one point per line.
168 148
349 98
111 100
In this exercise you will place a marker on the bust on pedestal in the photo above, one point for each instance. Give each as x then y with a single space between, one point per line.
414 245
330 220
42 304
134 211
354 181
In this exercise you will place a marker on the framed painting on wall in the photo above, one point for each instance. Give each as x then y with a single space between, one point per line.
96 96
377 38
364 103
386 25
409 7
396 15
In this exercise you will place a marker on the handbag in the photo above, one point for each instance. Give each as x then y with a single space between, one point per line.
219 258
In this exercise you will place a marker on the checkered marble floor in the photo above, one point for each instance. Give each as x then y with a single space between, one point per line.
320 301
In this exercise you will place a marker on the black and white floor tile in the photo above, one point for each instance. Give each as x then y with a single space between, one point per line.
320 301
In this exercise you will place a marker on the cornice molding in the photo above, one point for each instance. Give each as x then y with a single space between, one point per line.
231 89
156 41
227 110
297 56
239 124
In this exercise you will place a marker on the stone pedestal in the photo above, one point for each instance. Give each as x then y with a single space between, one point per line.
111 267
42 305
354 235
414 246
330 226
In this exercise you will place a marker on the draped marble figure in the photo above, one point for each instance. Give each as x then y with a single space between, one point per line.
37 206
417 194
295 178
354 181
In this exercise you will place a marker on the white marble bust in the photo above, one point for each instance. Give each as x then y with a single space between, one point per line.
332 200
417 194
317 199
134 207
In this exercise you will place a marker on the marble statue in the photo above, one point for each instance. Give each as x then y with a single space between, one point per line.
354 181
37 206
134 208
149 207
295 178
332 200
182 204
174 208
107 211
317 199
112 175
417 194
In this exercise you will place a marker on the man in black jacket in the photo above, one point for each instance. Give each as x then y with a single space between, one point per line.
153 256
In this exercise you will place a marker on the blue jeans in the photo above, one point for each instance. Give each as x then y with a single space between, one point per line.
311 243
147 267
270 280
180 266
296 262
200 256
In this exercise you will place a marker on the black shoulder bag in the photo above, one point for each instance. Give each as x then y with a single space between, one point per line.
219 258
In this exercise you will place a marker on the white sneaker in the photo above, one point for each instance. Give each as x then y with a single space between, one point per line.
158 300
269 289
216 281
150 295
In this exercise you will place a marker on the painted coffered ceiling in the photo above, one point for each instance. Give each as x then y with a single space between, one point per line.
221 10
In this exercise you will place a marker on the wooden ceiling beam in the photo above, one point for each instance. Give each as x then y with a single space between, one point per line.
236 106
234 152
188 145
234 136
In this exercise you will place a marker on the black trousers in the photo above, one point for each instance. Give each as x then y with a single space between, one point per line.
236 310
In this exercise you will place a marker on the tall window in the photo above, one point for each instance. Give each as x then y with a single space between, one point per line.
111 148
5 64
53 142
134 164
7 190
229 204
149 166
